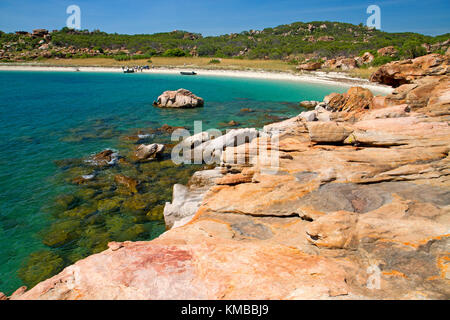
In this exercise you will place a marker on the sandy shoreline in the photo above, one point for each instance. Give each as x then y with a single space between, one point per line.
333 78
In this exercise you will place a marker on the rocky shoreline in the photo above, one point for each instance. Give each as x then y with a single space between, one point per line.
357 208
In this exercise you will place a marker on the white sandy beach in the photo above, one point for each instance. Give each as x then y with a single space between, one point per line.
334 78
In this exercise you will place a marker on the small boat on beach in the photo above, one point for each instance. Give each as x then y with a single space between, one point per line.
188 73
128 70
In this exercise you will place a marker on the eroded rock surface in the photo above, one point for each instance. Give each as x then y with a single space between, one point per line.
407 71
357 207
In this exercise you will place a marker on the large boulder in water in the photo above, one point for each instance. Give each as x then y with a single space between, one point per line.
181 98
148 152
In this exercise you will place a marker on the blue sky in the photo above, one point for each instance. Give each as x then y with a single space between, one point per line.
213 17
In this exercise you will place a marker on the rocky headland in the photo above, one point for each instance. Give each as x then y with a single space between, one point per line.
357 208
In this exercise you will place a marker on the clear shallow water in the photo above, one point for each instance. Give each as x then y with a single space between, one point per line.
48 116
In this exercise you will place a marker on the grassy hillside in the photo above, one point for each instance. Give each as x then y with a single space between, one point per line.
292 42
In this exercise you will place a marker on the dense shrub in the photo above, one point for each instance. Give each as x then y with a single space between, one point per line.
176 52
380 60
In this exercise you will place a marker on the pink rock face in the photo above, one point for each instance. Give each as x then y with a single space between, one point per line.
199 270
406 71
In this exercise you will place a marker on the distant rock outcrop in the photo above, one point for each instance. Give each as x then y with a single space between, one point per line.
341 63
309 66
406 71
387 51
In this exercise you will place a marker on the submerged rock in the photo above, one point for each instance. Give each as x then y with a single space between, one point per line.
181 98
130 183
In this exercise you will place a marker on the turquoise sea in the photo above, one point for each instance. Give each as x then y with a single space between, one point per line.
49 117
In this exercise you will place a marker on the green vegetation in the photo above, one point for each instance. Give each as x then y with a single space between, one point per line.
291 42
176 52
214 61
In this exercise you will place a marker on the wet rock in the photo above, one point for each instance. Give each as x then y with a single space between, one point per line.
181 98
309 104
107 157
165 128
84 178
149 152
